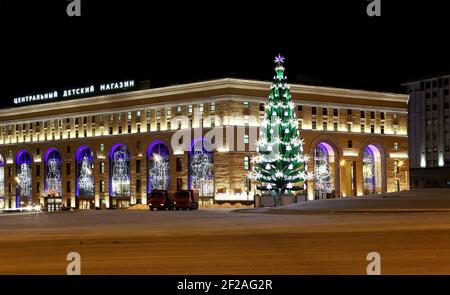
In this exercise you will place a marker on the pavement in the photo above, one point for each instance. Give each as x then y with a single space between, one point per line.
220 241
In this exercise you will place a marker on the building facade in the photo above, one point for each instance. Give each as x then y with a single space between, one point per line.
111 150
429 132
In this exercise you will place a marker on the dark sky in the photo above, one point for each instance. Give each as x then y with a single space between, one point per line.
332 43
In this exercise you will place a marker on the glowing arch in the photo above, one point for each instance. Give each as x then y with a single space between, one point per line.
23 178
201 172
158 166
84 158
325 163
372 170
119 171
53 181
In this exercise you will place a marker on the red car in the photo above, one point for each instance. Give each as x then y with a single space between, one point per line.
186 200
160 200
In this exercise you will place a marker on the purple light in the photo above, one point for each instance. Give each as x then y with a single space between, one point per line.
81 152
111 157
55 153
156 147
194 148
374 151
79 155
23 157
57 156
279 59
327 148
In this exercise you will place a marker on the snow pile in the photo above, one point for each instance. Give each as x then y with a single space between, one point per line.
226 205
139 207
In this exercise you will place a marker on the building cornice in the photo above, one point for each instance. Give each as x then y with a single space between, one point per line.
200 87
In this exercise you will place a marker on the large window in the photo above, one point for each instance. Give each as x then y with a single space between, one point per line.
372 178
85 179
52 172
324 170
2 177
158 166
201 173
23 179
119 160
2 183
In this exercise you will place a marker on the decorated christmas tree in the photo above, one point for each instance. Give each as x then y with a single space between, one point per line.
279 164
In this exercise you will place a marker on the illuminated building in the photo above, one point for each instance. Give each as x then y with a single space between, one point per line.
429 131
111 150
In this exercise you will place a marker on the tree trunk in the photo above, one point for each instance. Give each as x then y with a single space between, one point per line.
277 197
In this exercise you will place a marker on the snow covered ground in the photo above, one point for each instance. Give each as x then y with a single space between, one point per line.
406 201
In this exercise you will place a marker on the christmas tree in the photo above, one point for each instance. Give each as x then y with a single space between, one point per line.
279 163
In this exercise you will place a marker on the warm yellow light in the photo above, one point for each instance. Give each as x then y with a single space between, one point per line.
342 163
400 164
17 179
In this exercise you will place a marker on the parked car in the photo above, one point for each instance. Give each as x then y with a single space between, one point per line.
186 200
160 199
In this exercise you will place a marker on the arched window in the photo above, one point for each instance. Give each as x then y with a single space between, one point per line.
85 167
201 173
2 178
23 178
324 170
119 171
158 166
372 170
52 172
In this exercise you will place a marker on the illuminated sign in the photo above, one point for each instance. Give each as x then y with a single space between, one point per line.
54 95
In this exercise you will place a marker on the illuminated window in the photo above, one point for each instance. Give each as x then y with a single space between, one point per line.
190 108
246 138
102 167
246 163
129 116
102 186
201 108
85 179
120 171
246 104
158 166
212 107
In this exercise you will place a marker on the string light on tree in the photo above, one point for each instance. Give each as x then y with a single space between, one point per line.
279 163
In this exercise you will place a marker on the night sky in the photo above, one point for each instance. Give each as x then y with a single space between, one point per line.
331 43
